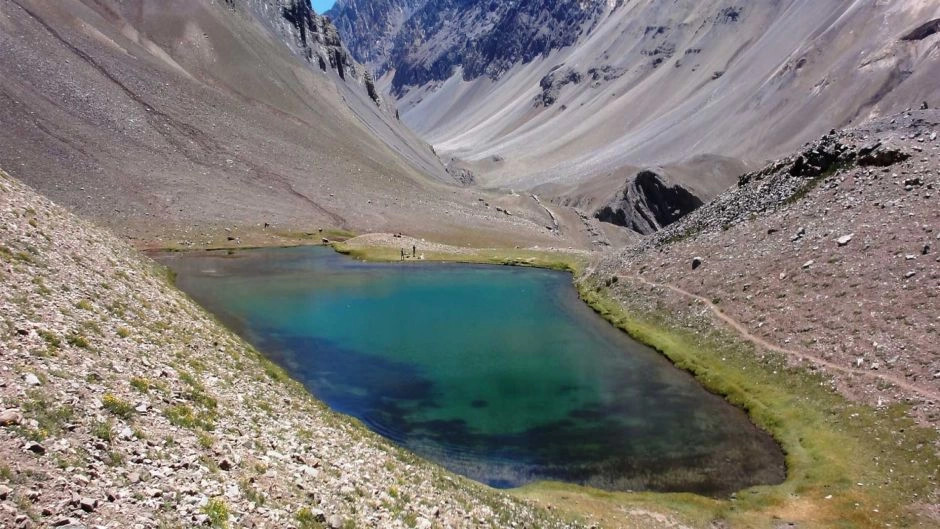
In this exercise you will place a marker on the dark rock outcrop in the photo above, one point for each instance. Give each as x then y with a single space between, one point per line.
648 203
552 84
924 30
316 36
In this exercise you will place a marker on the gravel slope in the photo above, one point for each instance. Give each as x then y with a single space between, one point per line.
831 253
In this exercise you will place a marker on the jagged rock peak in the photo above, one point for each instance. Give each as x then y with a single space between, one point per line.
425 40
312 36
648 203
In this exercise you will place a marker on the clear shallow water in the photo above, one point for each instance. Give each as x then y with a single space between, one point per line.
501 374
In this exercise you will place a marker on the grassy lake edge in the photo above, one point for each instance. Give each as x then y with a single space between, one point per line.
848 464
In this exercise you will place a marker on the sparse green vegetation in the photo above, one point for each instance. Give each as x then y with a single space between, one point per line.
51 338
562 261
103 430
830 443
51 418
185 417
218 513
118 406
251 493
77 340
140 384
307 520
205 440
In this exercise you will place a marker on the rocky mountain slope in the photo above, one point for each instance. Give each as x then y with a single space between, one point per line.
568 96
123 404
832 254
170 121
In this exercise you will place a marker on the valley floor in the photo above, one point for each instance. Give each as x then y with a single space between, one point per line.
812 304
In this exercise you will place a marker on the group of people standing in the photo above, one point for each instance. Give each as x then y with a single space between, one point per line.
414 252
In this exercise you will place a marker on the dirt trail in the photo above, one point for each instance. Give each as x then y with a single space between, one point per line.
757 340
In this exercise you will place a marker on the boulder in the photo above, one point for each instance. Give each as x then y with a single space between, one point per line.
35 448
88 504
11 417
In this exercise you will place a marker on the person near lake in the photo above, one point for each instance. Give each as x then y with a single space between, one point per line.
414 250
402 254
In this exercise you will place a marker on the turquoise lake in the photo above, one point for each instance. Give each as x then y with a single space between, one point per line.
498 373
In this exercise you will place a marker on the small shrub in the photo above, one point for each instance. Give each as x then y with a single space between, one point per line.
51 418
217 511
251 493
103 430
51 338
123 332
185 417
84 305
77 340
206 441
140 384
117 406
307 520
115 459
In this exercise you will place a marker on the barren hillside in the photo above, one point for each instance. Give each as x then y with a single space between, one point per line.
169 121
831 255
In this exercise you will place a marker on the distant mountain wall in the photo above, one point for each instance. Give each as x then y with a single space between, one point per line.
562 95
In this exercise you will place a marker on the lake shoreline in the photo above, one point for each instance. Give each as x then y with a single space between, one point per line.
824 441
823 438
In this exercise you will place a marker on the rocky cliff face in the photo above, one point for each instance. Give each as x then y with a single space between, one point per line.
648 204
424 42
369 27
309 35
